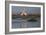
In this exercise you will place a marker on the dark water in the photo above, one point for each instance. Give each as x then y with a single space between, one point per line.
21 23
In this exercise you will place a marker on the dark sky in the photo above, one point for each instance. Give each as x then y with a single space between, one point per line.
29 10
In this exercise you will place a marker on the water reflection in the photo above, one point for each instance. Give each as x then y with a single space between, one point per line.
21 23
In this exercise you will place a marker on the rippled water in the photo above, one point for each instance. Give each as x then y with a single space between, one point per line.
21 23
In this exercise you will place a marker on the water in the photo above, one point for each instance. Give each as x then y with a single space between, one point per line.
21 23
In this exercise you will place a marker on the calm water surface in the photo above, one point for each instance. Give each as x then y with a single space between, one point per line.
21 23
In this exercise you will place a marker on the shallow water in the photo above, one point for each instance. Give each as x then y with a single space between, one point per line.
21 23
